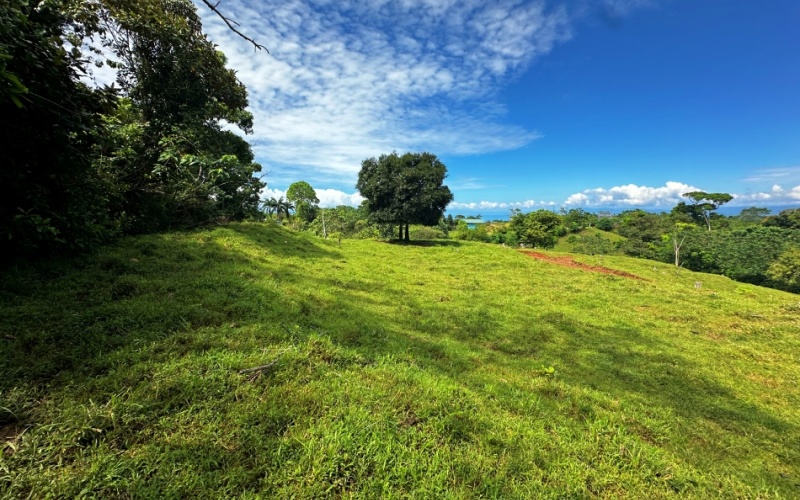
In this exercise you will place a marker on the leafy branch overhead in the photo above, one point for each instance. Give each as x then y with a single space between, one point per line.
233 25
84 164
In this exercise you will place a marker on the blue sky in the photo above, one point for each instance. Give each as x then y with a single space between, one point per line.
594 104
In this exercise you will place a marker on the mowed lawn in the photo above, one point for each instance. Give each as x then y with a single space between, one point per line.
437 370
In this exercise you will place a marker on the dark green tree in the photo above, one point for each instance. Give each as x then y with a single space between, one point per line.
539 229
80 165
305 200
184 168
51 198
754 214
788 219
784 271
703 204
405 189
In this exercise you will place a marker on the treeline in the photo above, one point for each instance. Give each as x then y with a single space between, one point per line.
753 247
81 163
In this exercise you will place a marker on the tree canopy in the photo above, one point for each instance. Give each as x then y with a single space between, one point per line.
82 164
305 200
703 204
405 189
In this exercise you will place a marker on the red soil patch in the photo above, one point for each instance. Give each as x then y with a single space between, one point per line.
568 262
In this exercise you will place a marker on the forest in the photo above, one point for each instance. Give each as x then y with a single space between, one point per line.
85 163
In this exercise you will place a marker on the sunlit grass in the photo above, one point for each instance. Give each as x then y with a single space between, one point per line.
448 369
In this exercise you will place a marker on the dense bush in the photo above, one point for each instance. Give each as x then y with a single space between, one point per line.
83 164
785 270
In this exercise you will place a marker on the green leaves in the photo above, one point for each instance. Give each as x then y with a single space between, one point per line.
404 189
539 229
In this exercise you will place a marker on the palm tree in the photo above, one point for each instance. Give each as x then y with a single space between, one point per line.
270 206
282 207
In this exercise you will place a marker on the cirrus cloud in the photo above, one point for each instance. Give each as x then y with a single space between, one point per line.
348 79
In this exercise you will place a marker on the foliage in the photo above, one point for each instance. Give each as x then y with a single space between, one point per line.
348 221
743 254
754 214
577 219
788 219
590 243
785 270
643 232
278 206
538 229
186 169
703 204
305 200
416 371
81 164
464 233
404 189
51 199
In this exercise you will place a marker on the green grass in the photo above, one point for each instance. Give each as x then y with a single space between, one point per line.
586 241
447 370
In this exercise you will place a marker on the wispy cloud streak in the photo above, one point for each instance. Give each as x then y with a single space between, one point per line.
348 79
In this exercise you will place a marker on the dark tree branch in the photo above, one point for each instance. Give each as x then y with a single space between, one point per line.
231 23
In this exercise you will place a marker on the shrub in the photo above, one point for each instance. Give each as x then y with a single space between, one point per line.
785 271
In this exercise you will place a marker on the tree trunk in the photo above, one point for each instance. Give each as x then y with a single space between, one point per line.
677 247
400 232
407 238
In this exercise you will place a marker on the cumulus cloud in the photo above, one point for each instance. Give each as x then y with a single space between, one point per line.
669 195
777 196
631 195
328 198
334 198
350 79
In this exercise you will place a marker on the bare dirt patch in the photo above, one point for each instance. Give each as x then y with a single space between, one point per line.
569 262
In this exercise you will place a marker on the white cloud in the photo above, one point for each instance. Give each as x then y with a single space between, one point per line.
327 197
631 195
334 198
348 80
782 174
268 193
669 195
777 196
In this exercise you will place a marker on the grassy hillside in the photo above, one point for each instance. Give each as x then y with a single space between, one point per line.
433 371
590 241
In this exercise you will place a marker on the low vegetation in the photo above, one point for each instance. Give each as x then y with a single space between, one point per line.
253 360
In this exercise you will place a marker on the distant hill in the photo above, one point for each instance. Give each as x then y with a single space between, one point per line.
254 361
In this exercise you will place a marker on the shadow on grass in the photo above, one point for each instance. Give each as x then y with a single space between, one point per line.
285 242
616 361
158 300
425 243
71 322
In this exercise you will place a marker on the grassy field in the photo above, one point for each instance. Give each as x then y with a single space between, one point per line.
440 370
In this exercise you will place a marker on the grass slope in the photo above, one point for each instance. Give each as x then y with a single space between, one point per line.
589 240
433 371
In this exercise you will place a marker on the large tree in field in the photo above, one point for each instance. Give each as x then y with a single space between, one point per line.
305 200
703 204
404 189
